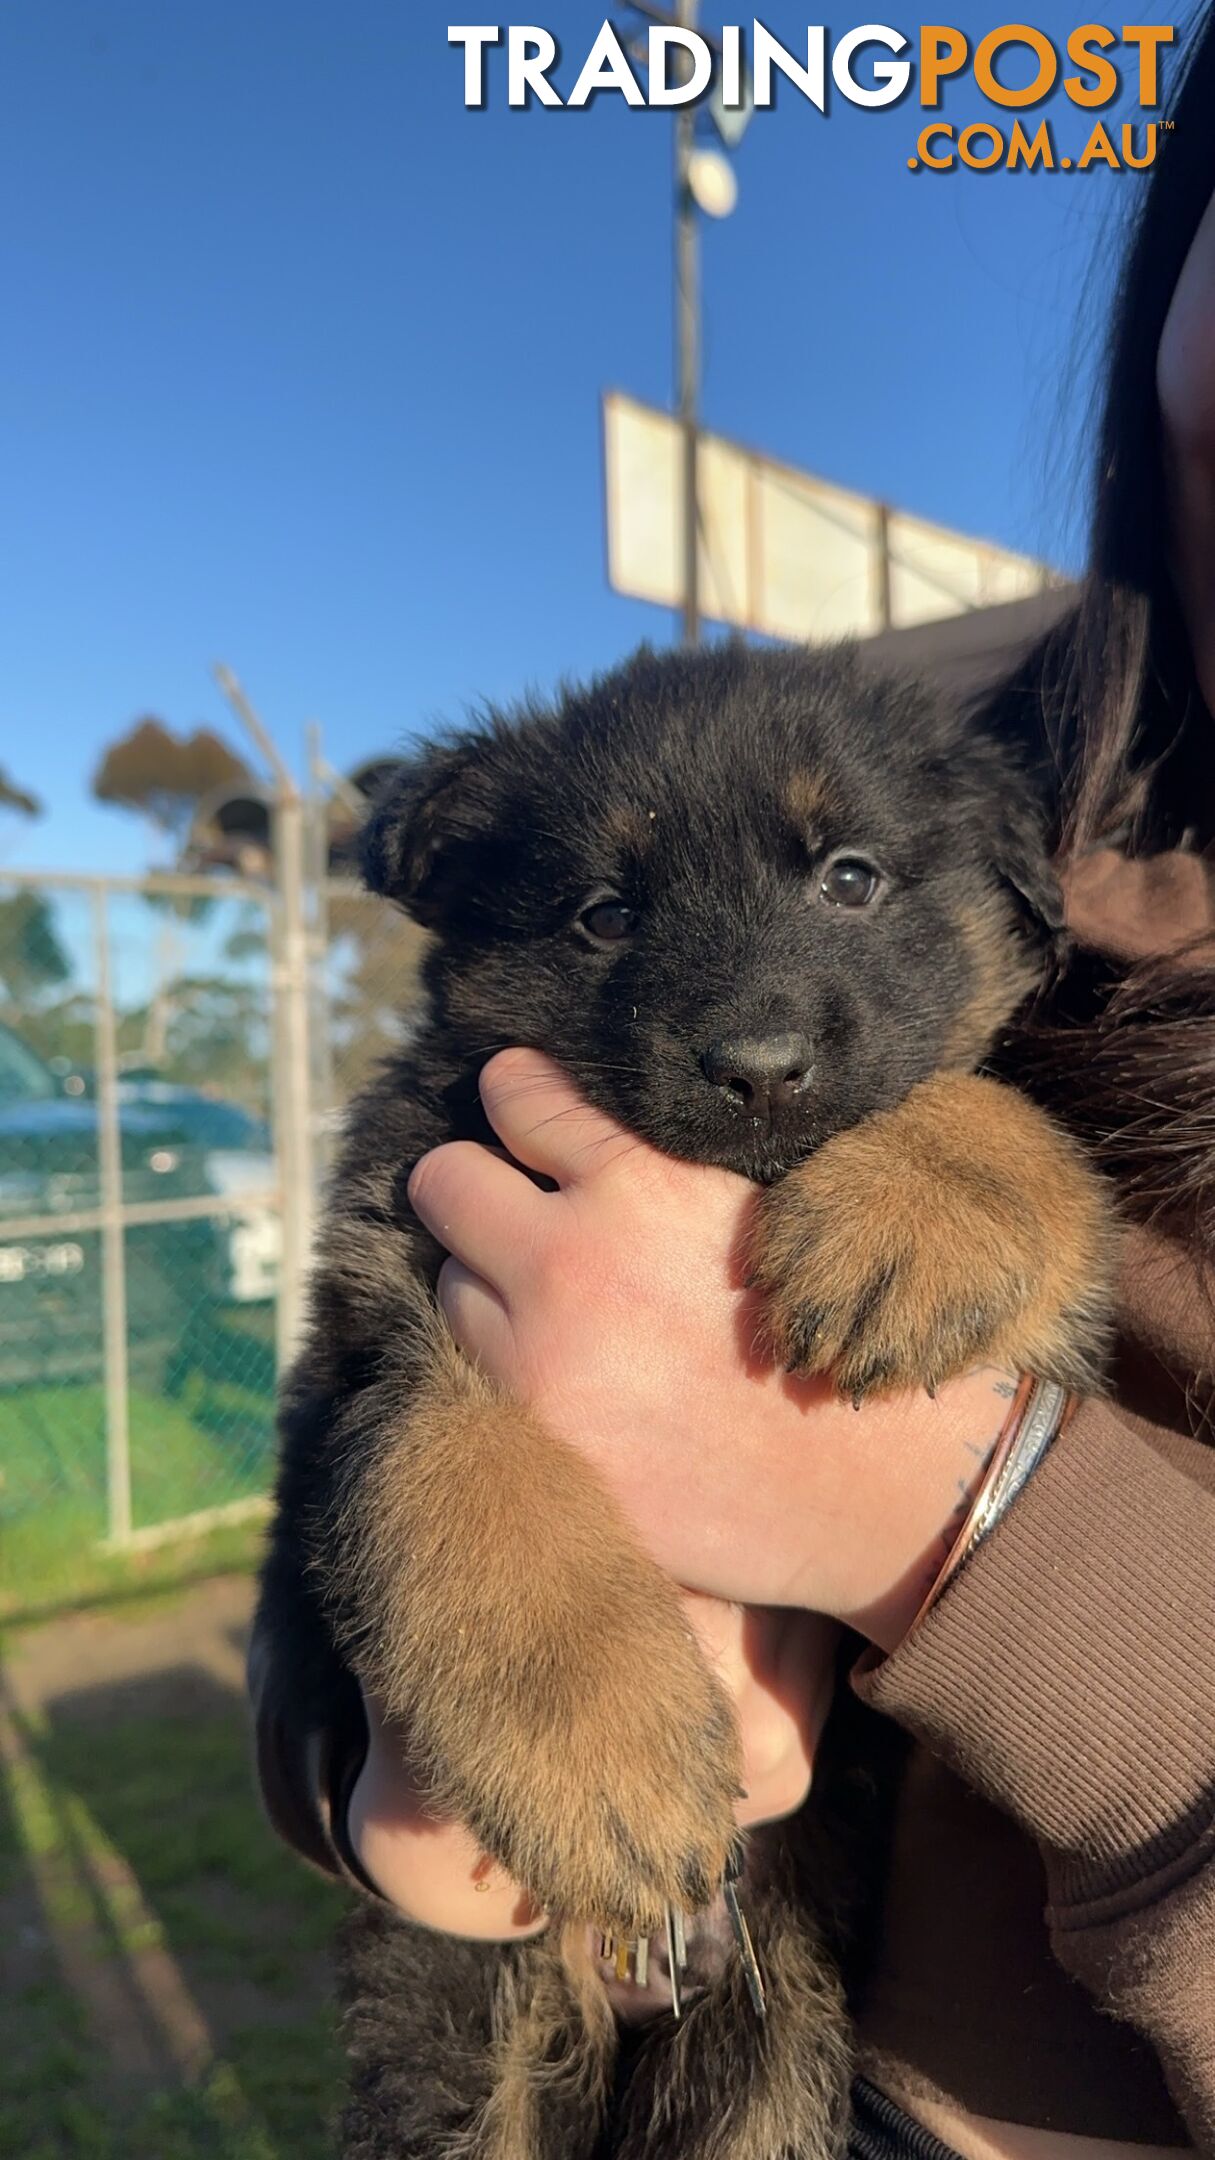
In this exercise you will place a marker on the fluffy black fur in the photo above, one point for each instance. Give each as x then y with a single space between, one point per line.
707 795
498 839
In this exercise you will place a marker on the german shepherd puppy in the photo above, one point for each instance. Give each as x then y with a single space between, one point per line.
770 913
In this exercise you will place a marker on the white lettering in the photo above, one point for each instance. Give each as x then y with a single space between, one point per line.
531 52
662 90
606 68
770 53
892 75
474 37
731 66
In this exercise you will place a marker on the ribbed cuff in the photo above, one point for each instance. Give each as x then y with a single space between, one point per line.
1067 1672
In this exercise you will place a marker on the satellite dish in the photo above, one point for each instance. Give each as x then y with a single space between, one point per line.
711 180
731 121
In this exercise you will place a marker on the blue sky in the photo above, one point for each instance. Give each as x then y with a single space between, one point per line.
302 361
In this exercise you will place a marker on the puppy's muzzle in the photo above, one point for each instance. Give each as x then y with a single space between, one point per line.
764 1075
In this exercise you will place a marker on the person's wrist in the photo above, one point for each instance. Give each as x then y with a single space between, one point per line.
935 1457
1037 1412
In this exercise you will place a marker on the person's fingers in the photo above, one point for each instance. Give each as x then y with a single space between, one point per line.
481 1209
791 1658
477 1318
430 1867
718 1628
778 1667
538 1114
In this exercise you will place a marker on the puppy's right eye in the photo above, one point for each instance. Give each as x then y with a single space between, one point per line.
609 921
849 882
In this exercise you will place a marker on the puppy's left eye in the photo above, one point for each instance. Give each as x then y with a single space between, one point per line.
609 920
849 882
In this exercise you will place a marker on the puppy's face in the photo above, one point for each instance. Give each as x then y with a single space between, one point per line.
744 898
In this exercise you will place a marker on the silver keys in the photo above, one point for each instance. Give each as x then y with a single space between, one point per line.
631 1959
742 1934
681 1945
677 1957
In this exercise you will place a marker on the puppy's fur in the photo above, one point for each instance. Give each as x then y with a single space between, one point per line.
645 881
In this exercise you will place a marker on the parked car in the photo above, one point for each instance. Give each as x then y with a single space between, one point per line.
238 1161
180 1275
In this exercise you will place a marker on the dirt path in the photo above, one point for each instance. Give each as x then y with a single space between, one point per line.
143 2014
204 1627
157 1948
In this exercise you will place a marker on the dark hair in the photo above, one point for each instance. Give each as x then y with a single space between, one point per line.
1111 698
1134 744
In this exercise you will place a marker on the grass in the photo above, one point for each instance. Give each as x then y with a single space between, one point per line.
136 1869
133 1855
207 1443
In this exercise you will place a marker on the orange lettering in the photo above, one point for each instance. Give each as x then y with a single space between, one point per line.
1079 47
943 51
1015 34
1149 37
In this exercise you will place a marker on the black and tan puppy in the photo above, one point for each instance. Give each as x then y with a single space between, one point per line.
770 914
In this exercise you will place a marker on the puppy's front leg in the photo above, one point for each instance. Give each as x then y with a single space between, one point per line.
960 1228
486 1589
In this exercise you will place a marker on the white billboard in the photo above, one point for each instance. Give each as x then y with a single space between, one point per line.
780 551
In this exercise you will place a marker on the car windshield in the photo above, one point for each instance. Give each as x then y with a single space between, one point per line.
23 1076
221 1125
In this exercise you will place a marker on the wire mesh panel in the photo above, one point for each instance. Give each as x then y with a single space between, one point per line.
368 986
167 1046
52 1417
190 981
140 1222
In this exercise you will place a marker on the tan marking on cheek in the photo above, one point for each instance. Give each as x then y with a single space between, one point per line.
1002 974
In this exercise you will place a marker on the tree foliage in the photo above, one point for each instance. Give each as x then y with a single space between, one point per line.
163 776
372 979
13 797
32 957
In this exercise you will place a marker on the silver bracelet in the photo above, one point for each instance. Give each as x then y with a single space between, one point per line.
1042 1420
1038 1413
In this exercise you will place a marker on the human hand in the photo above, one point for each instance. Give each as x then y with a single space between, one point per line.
778 1668
615 1308
1185 380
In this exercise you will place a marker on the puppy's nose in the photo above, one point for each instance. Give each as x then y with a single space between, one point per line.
764 1073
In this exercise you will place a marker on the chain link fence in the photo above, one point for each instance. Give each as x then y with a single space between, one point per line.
175 1055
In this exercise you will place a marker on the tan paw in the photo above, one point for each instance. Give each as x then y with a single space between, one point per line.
958 1229
601 1770
493 1600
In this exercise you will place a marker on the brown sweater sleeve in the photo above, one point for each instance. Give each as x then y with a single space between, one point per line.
1068 1674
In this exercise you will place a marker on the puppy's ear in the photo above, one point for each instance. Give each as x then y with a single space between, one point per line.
1006 804
1022 862
413 824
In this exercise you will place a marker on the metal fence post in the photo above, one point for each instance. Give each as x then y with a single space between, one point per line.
113 1242
293 1075
296 1098
318 879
